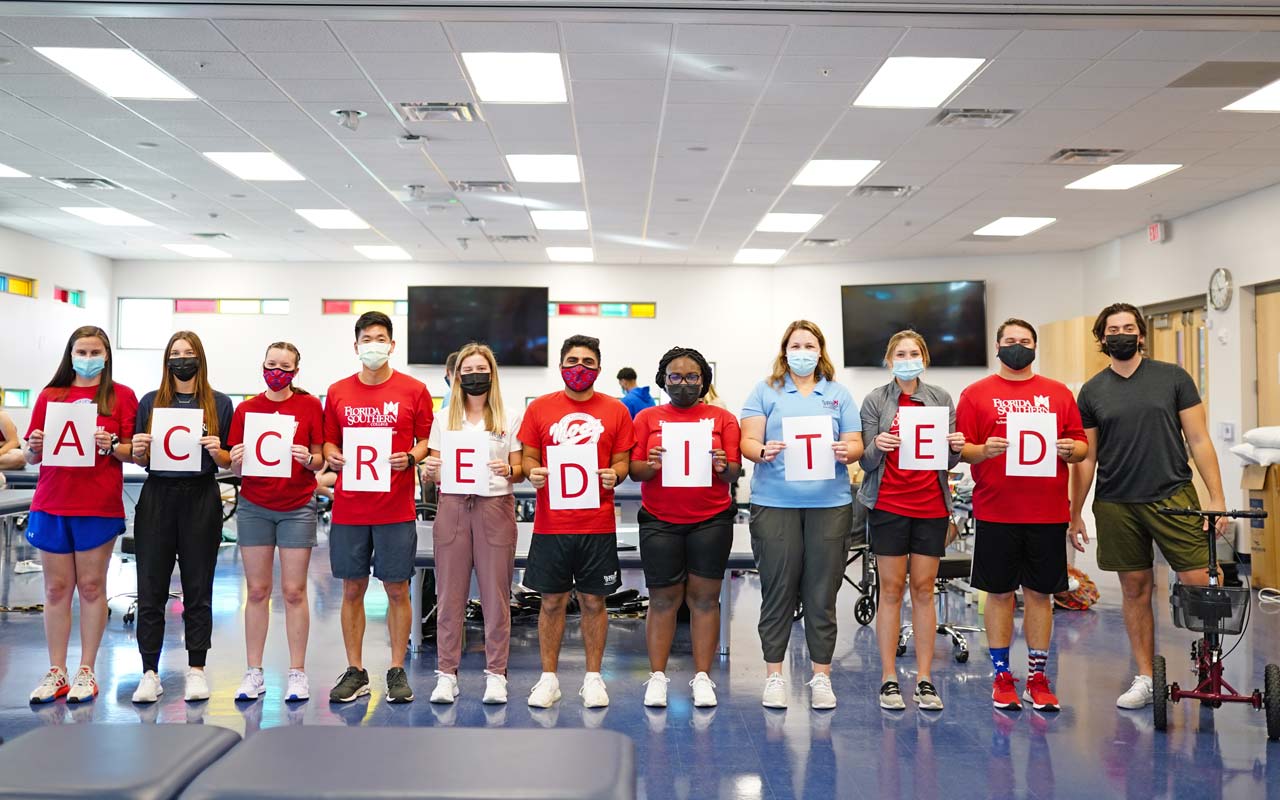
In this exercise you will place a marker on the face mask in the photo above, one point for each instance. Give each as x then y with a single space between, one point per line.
277 378
374 354
184 369
579 377
476 383
684 395
1121 346
908 369
88 367
802 362
1016 356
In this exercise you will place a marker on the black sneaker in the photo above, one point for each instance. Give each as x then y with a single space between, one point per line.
398 688
352 684
891 696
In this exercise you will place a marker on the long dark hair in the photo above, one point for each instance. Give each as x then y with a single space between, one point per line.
297 361
66 375
168 390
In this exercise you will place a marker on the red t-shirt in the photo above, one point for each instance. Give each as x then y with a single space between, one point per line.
556 419
912 493
282 494
401 403
980 414
95 491
680 504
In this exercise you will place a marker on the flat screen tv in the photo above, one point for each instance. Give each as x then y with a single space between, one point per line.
951 315
510 319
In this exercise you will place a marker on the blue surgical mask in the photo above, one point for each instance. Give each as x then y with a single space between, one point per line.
908 369
88 367
802 362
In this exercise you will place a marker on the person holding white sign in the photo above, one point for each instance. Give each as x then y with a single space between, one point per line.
389 413
276 441
1021 519
800 526
475 525
909 505
576 448
178 518
77 511
686 458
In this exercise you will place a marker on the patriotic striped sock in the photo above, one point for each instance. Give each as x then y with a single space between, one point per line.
1036 660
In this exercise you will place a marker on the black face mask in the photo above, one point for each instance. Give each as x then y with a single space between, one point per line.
1016 357
476 383
684 395
1121 346
184 369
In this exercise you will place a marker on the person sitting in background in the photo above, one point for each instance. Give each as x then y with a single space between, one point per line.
11 456
635 398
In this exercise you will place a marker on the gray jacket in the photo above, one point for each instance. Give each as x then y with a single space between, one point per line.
878 410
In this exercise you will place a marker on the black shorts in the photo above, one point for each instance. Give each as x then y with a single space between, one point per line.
672 551
561 562
895 535
1006 556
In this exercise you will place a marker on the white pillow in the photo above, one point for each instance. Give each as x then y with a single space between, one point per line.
1247 453
1264 437
1267 455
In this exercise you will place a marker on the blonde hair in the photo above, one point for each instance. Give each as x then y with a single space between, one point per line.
899 337
826 369
495 419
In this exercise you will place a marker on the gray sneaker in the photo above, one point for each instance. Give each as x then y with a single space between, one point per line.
891 696
398 688
926 696
352 684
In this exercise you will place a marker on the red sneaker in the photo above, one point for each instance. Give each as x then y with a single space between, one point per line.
1004 694
1038 693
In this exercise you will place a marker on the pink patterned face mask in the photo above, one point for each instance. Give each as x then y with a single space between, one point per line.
579 378
277 379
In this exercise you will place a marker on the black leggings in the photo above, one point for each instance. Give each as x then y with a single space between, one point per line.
177 518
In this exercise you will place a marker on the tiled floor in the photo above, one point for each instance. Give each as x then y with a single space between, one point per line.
739 750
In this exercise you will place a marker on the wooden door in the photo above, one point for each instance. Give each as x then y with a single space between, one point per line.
1268 327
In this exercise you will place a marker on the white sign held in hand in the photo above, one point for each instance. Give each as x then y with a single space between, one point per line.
571 476
68 435
367 454
175 439
268 445
923 430
687 460
464 462
808 456
1033 450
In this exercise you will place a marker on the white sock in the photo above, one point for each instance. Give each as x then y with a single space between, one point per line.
590 674
550 675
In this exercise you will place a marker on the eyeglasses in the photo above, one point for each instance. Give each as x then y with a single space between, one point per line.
677 379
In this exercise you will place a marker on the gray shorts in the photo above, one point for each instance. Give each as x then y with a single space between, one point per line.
389 550
262 527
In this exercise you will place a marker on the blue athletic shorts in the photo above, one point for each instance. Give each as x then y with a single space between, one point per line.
54 533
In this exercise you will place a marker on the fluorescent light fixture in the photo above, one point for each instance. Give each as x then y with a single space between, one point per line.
571 254
559 220
516 77
382 252
335 218
788 223
7 171
1263 100
105 215
544 169
834 172
255 166
117 72
1123 176
916 82
1014 226
198 250
750 255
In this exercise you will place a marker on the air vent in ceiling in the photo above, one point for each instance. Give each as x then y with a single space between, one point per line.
83 184
825 242
1086 156
212 235
980 118
438 112
516 238
885 191
493 187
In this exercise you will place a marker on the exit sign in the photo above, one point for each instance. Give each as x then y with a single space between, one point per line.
1157 232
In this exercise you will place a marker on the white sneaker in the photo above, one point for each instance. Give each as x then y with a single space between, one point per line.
446 688
593 692
251 688
197 685
149 688
1139 695
52 686
655 693
299 688
821 697
84 687
545 692
495 688
704 691
775 691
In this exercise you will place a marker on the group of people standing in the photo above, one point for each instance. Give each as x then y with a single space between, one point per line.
799 528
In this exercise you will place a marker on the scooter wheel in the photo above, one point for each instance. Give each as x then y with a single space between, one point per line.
1271 700
1160 694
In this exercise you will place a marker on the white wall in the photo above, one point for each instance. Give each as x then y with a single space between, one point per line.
37 329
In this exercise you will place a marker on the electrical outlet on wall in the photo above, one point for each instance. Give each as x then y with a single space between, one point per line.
1227 431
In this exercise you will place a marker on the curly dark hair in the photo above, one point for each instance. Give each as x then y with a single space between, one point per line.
684 352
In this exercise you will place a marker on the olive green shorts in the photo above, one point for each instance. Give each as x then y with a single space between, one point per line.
1126 530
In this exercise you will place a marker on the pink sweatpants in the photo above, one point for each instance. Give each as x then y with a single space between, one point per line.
480 533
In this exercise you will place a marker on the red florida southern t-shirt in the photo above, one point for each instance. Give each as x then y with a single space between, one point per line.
282 494
685 505
95 491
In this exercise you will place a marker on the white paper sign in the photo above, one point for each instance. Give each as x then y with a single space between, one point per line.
572 480
808 456
175 439
268 445
1033 450
464 462
367 452
923 430
68 435
687 460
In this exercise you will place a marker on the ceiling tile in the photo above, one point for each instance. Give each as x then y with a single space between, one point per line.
150 33
400 36
504 37
837 40
279 36
617 37
743 39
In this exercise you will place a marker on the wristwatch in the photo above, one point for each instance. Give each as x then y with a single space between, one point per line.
413 462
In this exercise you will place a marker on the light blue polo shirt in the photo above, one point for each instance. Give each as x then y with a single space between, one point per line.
769 486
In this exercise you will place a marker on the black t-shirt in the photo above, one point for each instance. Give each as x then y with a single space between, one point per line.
225 411
1142 455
